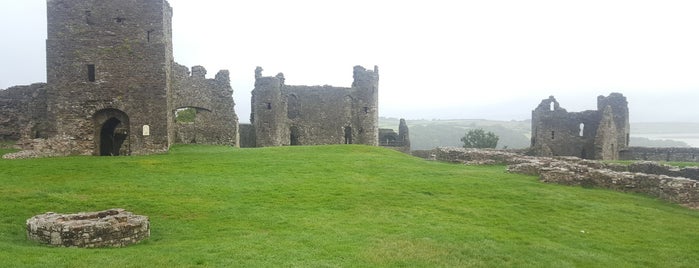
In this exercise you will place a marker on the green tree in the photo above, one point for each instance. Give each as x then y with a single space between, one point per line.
478 138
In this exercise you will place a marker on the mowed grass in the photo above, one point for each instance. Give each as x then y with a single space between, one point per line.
336 206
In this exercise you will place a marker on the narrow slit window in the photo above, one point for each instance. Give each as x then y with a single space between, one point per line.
269 106
582 130
91 72
553 135
148 34
88 17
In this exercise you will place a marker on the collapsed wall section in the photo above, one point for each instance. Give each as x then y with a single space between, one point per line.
214 119
23 112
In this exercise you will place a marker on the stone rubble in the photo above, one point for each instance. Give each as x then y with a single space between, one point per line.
657 180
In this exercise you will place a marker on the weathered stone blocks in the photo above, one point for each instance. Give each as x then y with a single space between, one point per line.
649 178
108 228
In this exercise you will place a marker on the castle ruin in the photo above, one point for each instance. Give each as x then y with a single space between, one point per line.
595 134
313 115
113 87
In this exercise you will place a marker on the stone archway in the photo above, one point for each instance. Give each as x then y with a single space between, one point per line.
111 132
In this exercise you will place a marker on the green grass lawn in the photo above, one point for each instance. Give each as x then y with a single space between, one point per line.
348 206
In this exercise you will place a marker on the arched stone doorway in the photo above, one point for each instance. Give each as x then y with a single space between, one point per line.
111 132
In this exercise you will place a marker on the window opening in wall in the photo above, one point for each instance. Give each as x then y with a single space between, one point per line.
551 106
148 35
293 107
91 72
582 130
553 134
88 17
366 110
119 20
348 135
294 136
269 105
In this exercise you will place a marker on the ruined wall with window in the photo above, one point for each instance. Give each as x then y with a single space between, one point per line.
210 100
398 141
594 134
314 115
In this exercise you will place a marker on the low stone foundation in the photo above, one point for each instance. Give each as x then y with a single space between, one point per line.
108 228
644 177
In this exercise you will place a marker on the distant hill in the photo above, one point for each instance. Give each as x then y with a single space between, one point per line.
428 134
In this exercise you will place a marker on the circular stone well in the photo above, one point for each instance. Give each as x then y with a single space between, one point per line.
108 228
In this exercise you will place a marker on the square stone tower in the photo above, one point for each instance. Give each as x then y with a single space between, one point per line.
109 67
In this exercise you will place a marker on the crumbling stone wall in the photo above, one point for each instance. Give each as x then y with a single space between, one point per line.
315 115
598 134
108 228
650 167
215 121
660 154
582 172
398 141
23 112
113 87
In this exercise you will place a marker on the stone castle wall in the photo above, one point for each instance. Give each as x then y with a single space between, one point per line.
110 60
215 121
113 87
661 154
595 134
23 112
315 115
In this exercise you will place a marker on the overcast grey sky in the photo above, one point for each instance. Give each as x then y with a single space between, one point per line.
491 59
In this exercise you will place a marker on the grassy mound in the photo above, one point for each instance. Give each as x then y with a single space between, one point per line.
336 206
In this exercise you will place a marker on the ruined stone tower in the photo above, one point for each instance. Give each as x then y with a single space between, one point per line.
595 134
315 115
108 74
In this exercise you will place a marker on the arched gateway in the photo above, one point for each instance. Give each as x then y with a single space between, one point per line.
111 132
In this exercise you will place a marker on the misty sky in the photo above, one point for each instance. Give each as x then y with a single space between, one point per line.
437 59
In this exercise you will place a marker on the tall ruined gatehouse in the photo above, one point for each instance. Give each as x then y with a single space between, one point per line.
113 87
